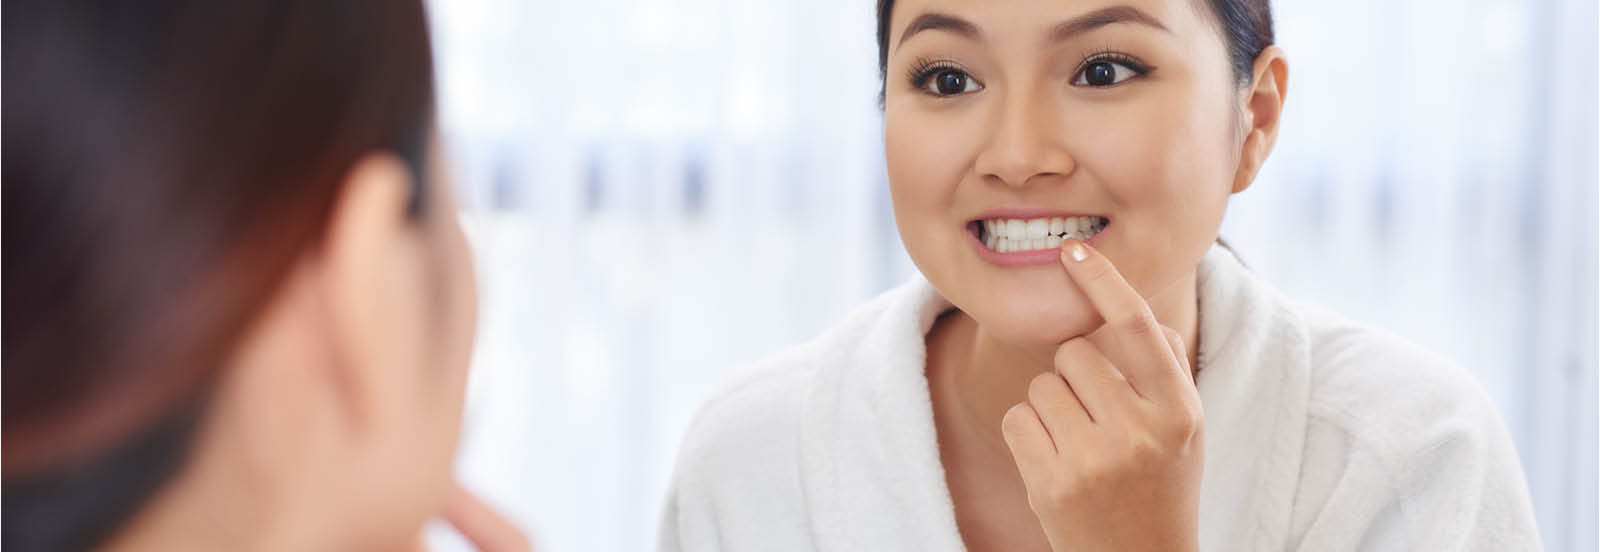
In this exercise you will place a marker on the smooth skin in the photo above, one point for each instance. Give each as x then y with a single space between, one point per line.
1159 153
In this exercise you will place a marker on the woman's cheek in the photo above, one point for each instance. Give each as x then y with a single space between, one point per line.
925 173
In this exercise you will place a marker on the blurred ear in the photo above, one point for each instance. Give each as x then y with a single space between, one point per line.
366 257
1263 107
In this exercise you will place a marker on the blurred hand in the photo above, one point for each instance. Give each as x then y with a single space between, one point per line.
1109 444
486 529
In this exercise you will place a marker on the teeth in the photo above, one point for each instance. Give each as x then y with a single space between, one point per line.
1038 228
1011 235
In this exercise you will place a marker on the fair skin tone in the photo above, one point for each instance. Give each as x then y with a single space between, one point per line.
335 422
1063 390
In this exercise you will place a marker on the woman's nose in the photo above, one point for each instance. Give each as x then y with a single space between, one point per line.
1024 143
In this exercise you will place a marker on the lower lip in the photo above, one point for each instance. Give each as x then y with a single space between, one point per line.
1024 258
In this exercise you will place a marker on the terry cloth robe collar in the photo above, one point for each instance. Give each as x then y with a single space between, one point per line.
870 459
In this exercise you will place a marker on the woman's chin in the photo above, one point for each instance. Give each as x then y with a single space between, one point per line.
1037 323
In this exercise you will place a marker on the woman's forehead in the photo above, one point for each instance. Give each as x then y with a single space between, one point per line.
1028 19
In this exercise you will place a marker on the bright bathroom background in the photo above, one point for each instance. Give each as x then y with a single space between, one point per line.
661 191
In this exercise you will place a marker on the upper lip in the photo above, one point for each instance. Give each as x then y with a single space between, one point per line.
1026 213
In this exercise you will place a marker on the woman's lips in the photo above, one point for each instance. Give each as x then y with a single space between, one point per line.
1026 241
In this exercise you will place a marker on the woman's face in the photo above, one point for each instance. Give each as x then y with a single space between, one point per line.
1008 125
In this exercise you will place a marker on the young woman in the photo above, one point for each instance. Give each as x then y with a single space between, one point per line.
1080 366
238 306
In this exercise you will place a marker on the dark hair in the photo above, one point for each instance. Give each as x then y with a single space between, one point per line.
165 163
1246 25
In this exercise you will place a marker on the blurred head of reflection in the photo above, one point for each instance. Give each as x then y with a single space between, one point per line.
1012 126
238 303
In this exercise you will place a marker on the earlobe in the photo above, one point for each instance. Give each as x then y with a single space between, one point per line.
1262 111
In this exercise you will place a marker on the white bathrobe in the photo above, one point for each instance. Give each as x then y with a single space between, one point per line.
1320 435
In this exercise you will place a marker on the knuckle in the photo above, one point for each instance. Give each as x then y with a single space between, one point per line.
1098 470
1141 322
1145 450
1171 334
1183 424
1110 376
1173 337
1055 493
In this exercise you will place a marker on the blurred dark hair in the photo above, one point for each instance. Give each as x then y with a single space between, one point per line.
1245 24
165 163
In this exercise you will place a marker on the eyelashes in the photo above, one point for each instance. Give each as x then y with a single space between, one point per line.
1104 61
1103 68
923 71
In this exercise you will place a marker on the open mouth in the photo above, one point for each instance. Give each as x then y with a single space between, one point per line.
1003 235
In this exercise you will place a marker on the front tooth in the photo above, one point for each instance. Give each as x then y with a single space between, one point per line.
1038 228
1053 242
1057 226
1036 243
1016 228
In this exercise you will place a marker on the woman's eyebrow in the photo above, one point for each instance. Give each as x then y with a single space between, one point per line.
939 21
1062 31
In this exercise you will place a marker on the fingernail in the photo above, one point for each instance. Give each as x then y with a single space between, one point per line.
1077 251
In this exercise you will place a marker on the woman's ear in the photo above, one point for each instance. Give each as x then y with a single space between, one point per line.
1263 108
370 263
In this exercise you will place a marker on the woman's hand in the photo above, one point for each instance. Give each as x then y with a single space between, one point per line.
1109 445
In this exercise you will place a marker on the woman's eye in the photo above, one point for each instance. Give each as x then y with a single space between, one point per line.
950 83
1101 74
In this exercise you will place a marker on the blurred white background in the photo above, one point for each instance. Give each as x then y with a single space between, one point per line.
659 191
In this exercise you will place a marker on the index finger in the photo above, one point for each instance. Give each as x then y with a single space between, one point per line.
1126 313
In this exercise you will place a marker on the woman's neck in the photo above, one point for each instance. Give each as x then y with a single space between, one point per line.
977 376
259 476
209 506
